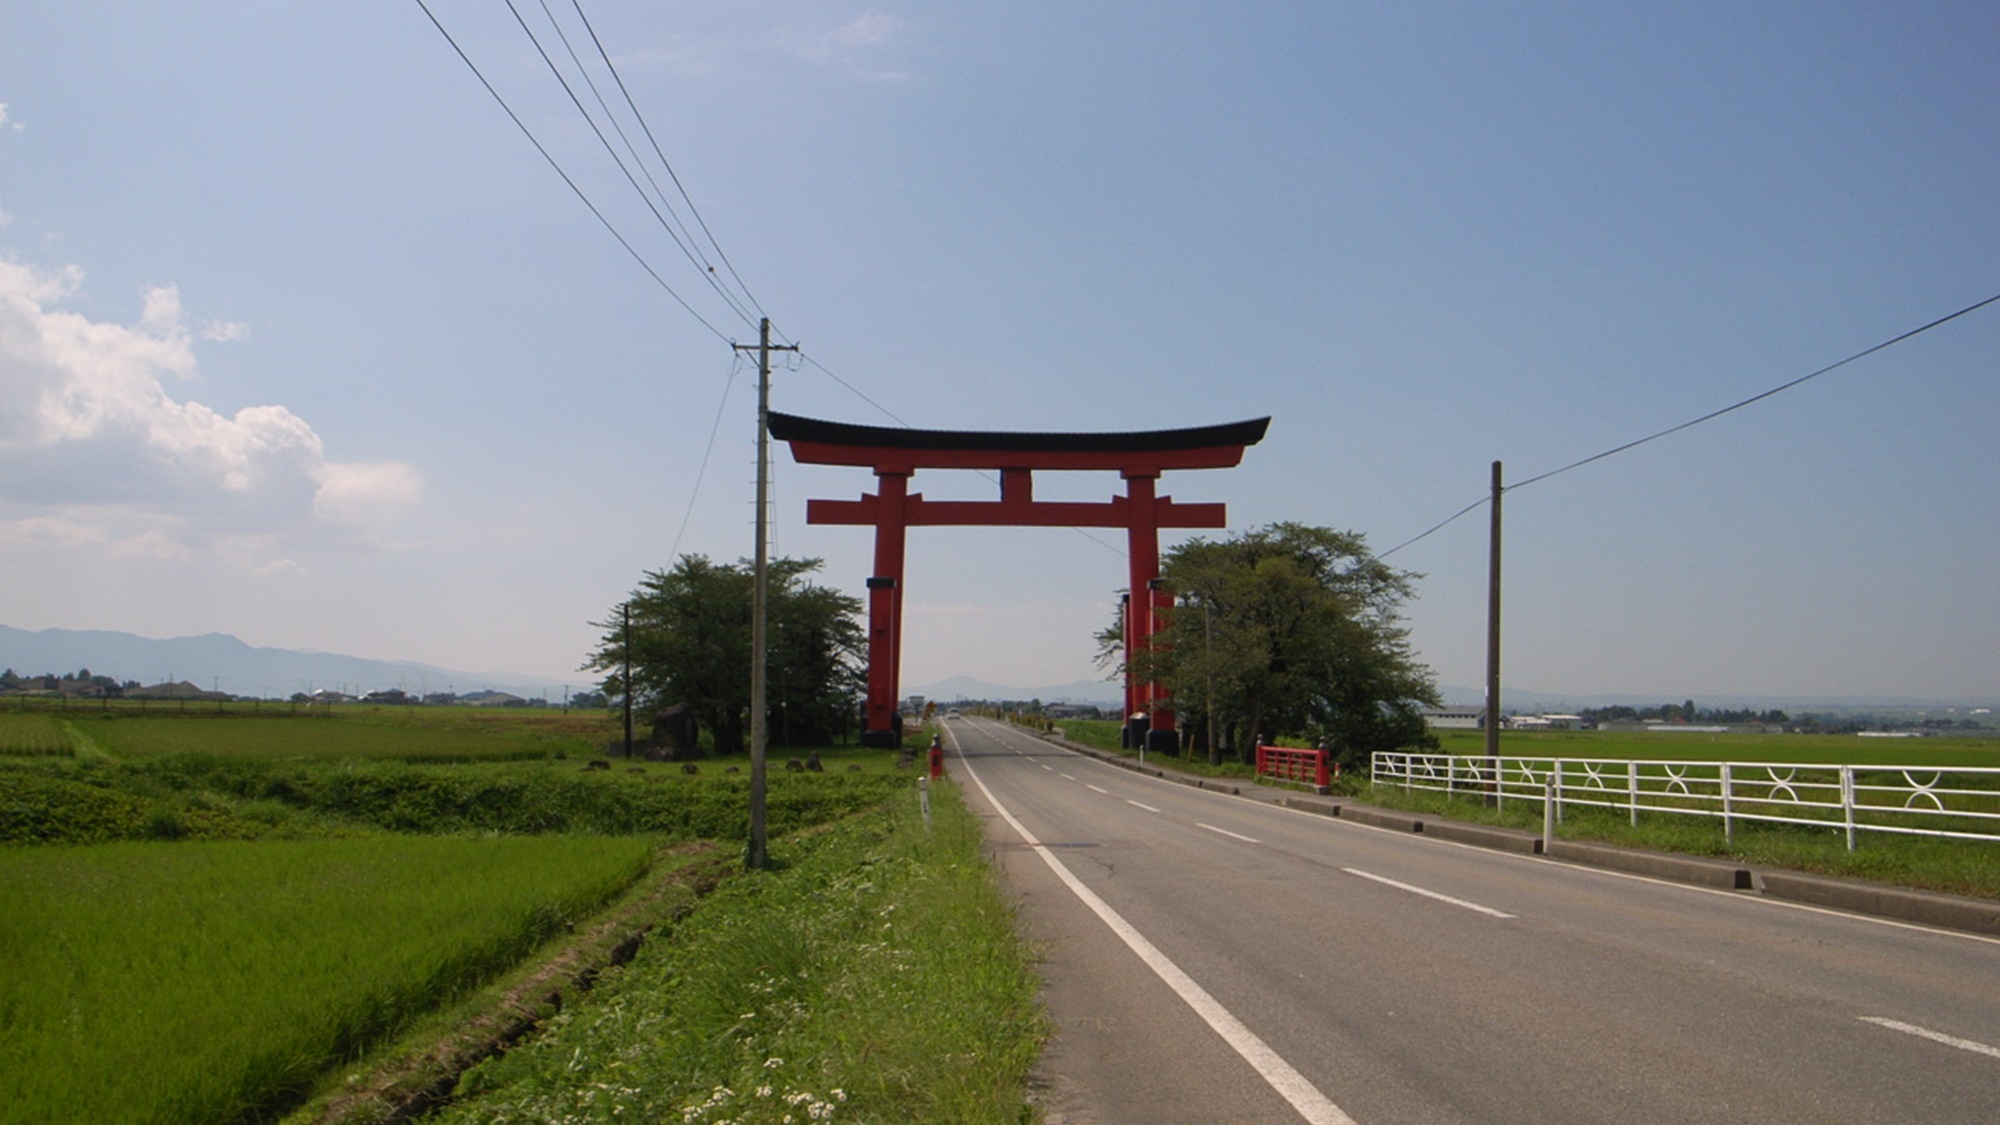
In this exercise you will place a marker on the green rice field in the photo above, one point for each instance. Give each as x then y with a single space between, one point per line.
32 734
213 979
208 916
408 735
1695 746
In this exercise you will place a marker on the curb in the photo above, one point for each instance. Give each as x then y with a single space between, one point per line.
1659 865
1951 912
1485 836
1379 818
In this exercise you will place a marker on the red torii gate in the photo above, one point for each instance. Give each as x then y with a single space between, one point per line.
896 454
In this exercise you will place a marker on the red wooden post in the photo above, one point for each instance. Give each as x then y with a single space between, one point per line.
1143 556
885 608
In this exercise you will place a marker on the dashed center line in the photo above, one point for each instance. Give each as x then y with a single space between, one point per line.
1228 833
1148 808
1428 894
1064 776
1976 1048
1095 789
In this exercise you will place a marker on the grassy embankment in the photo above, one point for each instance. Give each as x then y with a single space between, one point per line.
273 908
1969 867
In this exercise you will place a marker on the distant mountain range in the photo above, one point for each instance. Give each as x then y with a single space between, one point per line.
1518 699
221 662
1105 693
1099 693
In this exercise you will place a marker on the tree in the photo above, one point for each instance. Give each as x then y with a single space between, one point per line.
691 646
1293 630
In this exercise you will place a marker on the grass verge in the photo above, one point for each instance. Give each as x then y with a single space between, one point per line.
872 975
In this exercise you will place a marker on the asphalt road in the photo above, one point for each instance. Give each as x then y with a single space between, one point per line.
1218 959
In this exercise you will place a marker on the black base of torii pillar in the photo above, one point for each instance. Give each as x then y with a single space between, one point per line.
896 454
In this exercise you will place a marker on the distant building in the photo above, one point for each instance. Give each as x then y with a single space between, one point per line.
1455 718
178 690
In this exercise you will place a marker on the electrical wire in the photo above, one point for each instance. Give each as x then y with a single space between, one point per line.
1710 416
556 71
665 163
715 427
1713 414
676 227
573 187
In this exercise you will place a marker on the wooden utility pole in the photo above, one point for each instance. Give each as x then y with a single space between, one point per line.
758 857
1493 636
628 679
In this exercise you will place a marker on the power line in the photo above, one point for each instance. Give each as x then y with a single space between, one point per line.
610 150
1713 414
578 191
665 163
707 451
1710 416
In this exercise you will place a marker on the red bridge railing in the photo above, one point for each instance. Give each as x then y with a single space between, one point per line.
1314 767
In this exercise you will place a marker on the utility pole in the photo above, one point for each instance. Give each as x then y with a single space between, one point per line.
1493 637
757 857
628 678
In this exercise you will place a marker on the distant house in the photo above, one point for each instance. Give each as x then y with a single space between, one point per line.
1455 718
180 689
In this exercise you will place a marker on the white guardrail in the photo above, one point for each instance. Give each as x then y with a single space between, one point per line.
1945 801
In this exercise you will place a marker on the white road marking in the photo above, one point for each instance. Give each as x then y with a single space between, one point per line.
1933 1036
1094 788
1428 894
1228 833
1315 1107
1148 808
1051 769
1064 776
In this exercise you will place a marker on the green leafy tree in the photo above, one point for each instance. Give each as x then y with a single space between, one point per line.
1290 630
691 646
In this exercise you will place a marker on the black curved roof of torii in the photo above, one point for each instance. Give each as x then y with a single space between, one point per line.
792 427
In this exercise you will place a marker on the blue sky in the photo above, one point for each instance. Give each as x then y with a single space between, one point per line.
301 340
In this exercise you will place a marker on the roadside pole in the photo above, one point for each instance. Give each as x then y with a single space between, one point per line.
758 856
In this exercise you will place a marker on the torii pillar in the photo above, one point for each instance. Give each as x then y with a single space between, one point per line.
896 454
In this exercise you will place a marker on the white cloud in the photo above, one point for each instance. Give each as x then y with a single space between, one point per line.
96 450
848 44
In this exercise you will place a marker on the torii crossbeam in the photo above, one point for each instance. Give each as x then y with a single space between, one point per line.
896 454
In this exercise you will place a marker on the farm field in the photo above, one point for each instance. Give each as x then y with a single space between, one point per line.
32 734
212 978
225 912
1814 749
408 735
